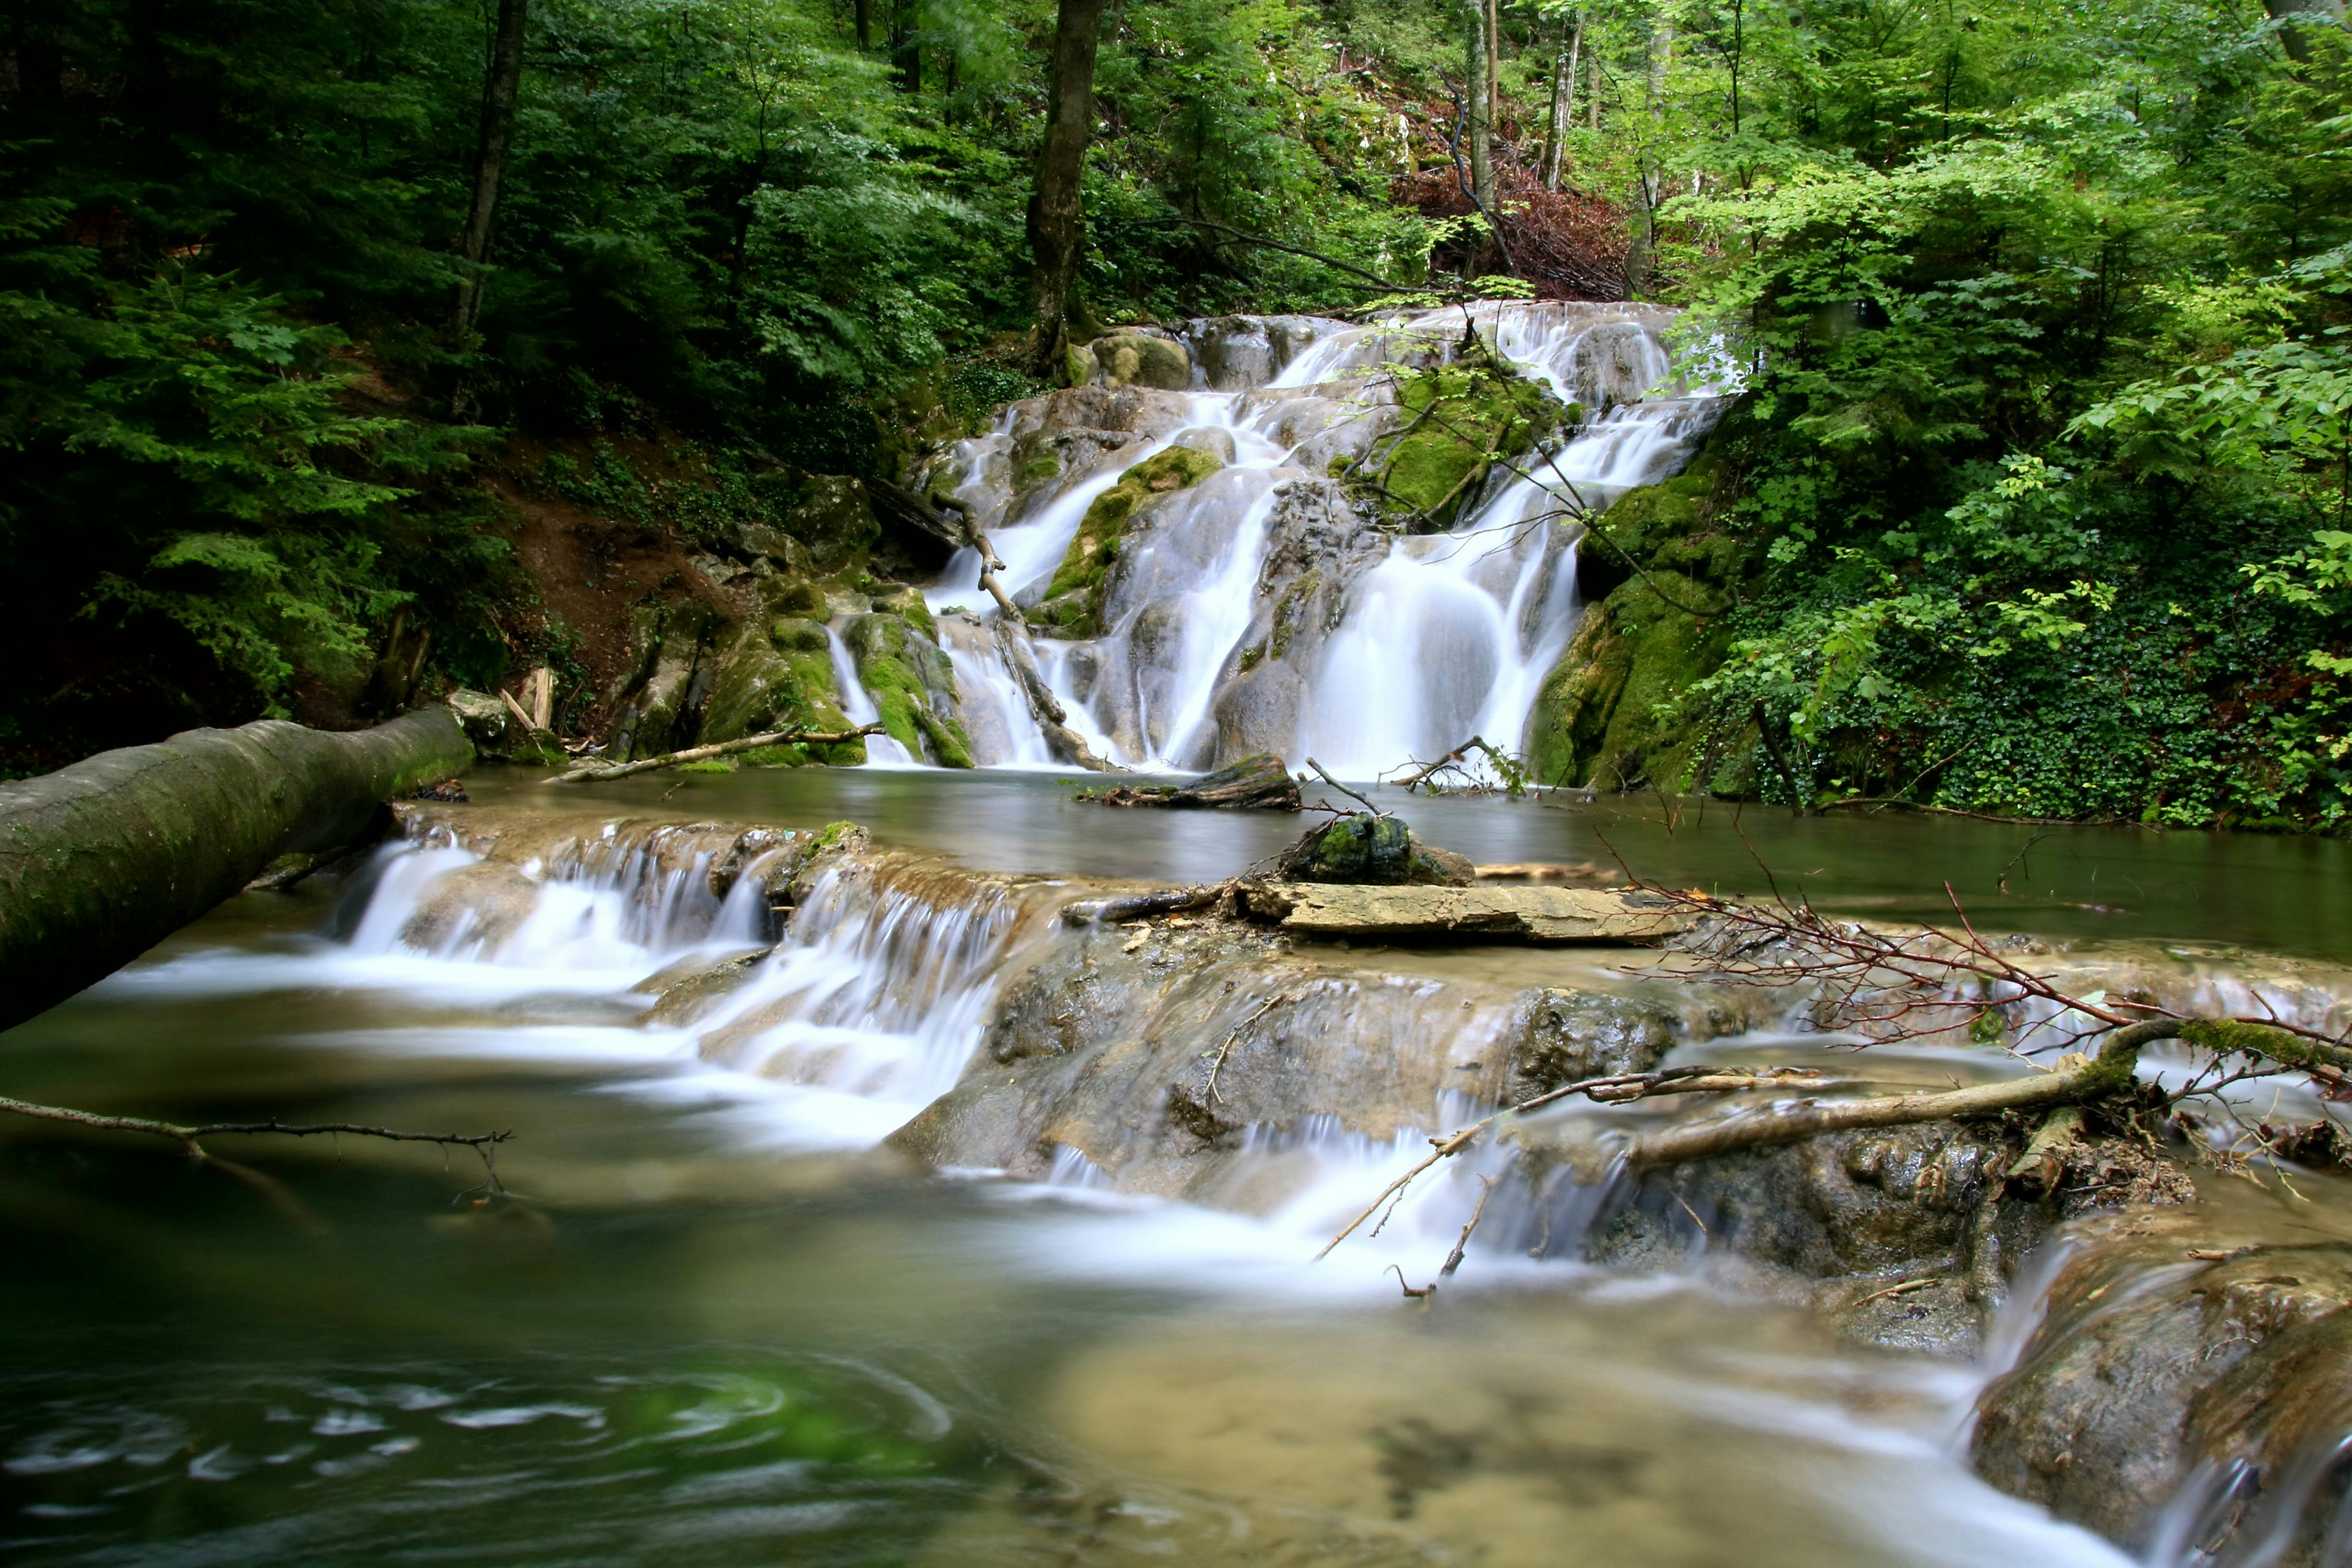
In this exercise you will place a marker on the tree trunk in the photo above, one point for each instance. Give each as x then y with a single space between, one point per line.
1563 101
2295 15
1056 220
100 861
1482 109
498 91
905 54
865 15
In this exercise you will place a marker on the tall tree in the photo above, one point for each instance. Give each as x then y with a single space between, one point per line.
1481 109
1056 219
1563 98
499 88
906 50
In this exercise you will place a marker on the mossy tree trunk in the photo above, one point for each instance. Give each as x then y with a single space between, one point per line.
101 860
1056 220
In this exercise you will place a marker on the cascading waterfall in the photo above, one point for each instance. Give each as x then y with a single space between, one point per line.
1417 644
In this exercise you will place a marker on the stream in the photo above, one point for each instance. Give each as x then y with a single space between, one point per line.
721 1322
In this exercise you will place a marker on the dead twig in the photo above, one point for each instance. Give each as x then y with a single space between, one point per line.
189 1138
1454 1259
1905 1289
1209 1090
1343 789
1614 1089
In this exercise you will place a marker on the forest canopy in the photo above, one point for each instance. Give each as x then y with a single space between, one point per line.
2042 461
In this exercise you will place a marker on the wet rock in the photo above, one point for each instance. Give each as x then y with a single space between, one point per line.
692 987
2187 1362
1566 1036
912 684
1237 353
1133 359
1426 913
1380 849
472 909
1071 604
1317 544
779 677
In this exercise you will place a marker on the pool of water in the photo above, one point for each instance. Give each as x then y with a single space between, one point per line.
699 1330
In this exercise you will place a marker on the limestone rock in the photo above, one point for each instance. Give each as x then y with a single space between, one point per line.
1525 914
1135 359
912 684
1072 603
835 519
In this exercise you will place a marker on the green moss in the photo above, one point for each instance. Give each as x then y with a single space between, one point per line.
792 634
798 596
903 670
1072 603
715 766
1598 717
1454 416
1045 466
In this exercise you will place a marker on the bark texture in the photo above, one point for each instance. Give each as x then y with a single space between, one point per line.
101 860
1056 221
498 93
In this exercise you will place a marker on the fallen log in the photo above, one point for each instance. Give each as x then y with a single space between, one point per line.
1390 913
1120 908
600 773
1256 783
101 860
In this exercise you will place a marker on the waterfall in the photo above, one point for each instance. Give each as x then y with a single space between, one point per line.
1262 609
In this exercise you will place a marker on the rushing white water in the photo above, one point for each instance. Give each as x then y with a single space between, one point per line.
1427 640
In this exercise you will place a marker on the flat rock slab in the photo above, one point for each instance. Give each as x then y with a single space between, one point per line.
1522 913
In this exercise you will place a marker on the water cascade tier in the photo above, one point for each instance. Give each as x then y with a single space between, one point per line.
1212 571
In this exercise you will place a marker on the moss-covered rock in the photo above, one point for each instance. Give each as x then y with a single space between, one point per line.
1454 415
835 519
1072 605
1133 359
779 677
1597 719
913 687
1379 849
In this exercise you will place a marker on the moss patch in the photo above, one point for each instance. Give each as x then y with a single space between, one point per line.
1073 602
913 688
1455 416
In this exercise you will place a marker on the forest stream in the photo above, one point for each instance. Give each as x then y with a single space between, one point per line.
721 1312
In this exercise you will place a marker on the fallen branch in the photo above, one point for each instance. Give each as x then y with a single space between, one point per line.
1462 1248
1053 719
1216 1066
482 1144
1325 776
601 773
1119 909
1257 783
1460 753
1615 1090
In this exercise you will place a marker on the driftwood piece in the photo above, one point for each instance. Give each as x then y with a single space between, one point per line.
1052 719
1138 906
601 773
1415 911
1256 783
101 860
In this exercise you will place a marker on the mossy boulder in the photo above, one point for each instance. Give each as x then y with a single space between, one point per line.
1604 715
779 677
1133 359
913 687
835 519
1372 850
1072 605
1452 417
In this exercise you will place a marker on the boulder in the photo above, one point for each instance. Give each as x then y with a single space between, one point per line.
2190 1371
835 519
1133 359
1072 601
912 684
